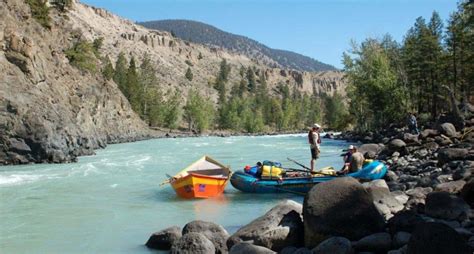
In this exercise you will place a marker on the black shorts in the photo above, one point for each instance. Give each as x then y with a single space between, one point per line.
314 153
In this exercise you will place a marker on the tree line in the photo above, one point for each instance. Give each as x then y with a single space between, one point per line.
387 79
246 106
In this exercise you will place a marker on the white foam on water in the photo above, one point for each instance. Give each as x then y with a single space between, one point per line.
19 179
114 185
201 144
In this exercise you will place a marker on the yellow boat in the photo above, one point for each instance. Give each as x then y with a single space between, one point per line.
204 178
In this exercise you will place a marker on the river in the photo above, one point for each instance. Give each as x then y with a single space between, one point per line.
112 202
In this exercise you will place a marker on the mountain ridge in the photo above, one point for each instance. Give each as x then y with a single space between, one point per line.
200 32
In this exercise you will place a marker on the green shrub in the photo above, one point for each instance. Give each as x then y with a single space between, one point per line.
62 5
40 11
82 56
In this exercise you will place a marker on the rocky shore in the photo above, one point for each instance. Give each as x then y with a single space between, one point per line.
424 205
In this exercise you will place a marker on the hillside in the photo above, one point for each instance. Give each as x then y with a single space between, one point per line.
202 33
51 111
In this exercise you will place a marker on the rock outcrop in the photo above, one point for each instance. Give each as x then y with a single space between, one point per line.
49 110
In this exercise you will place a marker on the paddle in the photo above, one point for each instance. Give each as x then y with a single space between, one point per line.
167 180
308 170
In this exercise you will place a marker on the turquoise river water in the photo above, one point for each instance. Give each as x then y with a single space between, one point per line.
112 202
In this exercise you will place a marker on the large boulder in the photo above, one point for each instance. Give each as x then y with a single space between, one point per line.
404 221
432 237
467 192
248 248
372 148
451 187
334 245
448 129
429 133
397 145
444 205
193 243
385 202
450 154
164 239
280 227
340 207
215 233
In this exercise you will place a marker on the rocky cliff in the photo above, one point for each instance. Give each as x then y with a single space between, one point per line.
49 110
52 112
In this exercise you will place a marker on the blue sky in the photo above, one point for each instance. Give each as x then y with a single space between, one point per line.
321 29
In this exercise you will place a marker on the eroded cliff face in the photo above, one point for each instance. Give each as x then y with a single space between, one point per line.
173 56
52 112
49 110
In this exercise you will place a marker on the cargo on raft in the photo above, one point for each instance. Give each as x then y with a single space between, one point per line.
299 182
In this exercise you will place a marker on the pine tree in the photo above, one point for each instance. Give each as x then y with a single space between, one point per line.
108 71
147 79
133 90
189 74
120 75
251 82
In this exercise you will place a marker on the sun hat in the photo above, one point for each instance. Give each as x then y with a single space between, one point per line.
351 147
317 126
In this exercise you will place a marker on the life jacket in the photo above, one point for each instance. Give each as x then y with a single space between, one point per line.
272 170
310 138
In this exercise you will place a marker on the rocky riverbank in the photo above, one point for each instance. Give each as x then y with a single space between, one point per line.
424 205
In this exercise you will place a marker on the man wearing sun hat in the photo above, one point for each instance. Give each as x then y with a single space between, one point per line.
314 140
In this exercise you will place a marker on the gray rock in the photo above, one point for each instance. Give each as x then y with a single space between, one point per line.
432 237
451 187
334 245
400 239
467 192
391 176
448 129
215 233
419 192
164 239
373 148
400 196
193 243
280 227
385 202
410 138
446 206
379 242
397 145
339 207
19 146
462 173
404 221
432 146
449 154
429 133
248 248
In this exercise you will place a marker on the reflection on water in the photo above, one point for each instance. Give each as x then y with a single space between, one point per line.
112 202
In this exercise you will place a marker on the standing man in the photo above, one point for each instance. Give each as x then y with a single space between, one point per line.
314 140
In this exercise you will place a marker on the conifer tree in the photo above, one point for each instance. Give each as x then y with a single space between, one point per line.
189 74
120 75
108 71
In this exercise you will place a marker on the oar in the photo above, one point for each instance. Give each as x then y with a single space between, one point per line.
167 180
299 164
308 170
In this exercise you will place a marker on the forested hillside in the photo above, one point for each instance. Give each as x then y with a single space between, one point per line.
206 34
427 73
